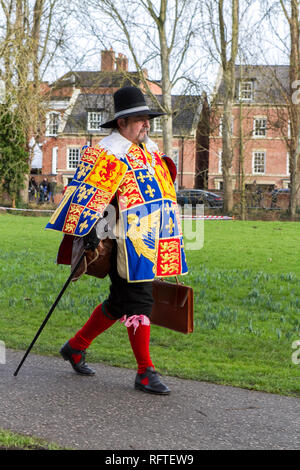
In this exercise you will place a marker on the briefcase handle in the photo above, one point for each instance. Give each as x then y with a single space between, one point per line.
177 280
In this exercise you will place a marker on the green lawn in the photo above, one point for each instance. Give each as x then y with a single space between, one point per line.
247 304
14 441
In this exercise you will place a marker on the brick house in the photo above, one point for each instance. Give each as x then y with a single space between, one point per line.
260 129
80 101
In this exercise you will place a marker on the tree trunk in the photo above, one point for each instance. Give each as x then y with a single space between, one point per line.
228 66
24 192
165 78
294 107
295 178
167 105
241 165
227 154
295 112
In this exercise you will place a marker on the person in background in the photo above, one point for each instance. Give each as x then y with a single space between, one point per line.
32 189
44 191
52 188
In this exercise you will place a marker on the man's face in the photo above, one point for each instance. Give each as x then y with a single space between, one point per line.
134 128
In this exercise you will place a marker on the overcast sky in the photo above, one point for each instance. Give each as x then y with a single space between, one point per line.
264 45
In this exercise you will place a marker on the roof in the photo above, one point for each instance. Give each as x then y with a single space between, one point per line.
77 120
270 82
186 111
86 79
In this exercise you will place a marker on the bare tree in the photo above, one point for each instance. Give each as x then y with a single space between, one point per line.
228 67
158 35
293 19
287 43
222 43
31 34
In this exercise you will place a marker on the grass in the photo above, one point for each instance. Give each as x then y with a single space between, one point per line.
14 441
247 304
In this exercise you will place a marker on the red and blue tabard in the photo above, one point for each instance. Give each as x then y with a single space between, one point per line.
92 188
149 218
149 229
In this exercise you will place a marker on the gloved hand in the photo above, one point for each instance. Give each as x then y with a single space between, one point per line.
91 241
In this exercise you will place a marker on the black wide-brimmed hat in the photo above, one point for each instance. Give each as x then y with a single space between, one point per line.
130 101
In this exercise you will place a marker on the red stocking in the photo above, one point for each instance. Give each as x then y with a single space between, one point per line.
140 340
96 324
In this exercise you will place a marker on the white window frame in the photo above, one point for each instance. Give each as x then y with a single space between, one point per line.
218 183
95 119
176 156
260 127
54 161
176 161
158 124
288 164
246 90
258 154
220 152
73 157
52 127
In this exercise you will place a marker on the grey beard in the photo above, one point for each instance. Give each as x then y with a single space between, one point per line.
145 138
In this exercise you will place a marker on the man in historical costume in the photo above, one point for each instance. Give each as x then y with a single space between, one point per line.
126 171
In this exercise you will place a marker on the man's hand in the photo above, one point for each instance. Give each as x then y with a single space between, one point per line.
91 241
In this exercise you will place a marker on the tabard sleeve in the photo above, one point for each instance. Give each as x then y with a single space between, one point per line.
94 185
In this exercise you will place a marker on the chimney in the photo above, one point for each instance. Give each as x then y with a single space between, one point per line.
122 62
107 60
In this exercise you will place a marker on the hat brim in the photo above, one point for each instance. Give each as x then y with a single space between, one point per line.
113 122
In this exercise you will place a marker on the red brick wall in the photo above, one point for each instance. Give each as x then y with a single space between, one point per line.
185 179
273 144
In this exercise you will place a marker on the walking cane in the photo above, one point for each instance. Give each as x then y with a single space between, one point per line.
49 313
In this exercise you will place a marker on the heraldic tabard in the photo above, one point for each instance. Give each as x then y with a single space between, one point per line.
149 222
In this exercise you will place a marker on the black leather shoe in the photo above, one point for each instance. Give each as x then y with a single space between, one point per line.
81 367
149 382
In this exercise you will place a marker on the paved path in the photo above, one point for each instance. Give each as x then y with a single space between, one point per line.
104 412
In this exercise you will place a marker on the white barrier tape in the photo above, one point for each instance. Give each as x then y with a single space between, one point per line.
30 210
207 217
198 217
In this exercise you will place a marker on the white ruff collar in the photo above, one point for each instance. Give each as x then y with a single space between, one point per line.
118 145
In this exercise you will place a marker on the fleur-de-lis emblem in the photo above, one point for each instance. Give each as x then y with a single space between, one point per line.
83 226
170 226
168 208
141 177
150 191
149 176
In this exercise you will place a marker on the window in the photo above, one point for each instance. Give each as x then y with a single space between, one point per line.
176 160
288 164
52 124
246 91
73 157
157 124
260 127
259 162
95 119
219 184
220 161
176 156
289 130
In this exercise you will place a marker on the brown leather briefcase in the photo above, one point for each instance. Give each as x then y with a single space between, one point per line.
173 306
